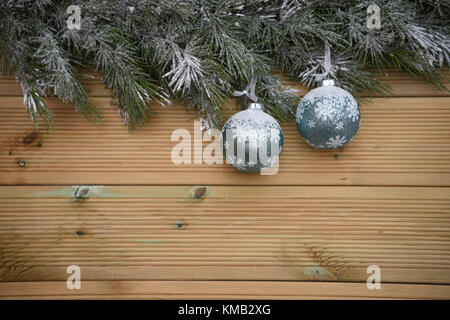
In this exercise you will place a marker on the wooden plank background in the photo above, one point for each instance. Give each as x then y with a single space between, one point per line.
152 229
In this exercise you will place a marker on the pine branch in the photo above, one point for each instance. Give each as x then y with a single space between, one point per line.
132 88
199 52
63 78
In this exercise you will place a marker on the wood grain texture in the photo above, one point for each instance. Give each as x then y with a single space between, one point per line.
260 233
217 290
402 141
151 229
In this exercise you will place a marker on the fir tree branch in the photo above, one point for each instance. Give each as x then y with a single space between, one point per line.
199 52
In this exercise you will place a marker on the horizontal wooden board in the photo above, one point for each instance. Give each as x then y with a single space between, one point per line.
227 233
401 84
218 290
402 141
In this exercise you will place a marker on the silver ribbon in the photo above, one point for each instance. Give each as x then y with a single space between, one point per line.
326 64
249 91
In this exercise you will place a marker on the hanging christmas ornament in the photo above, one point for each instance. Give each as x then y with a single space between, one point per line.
328 117
252 140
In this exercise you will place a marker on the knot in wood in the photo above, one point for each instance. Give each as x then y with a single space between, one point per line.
82 192
200 192
30 137
179 225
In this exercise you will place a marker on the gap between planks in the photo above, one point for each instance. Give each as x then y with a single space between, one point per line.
220 290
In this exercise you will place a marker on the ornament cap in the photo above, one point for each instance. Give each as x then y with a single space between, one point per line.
328 83
256 106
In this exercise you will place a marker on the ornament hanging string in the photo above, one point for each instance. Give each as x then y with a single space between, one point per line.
326 64
249 91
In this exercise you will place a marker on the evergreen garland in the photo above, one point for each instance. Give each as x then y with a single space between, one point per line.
199 52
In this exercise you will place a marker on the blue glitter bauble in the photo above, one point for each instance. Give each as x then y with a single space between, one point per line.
253 132
328 117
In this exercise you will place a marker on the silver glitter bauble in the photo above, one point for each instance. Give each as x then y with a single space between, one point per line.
252 140
328 117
